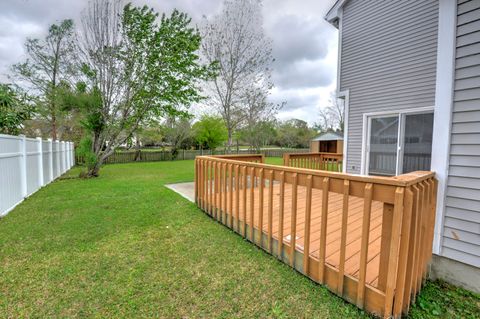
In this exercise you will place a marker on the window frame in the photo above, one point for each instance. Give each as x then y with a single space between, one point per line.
401 114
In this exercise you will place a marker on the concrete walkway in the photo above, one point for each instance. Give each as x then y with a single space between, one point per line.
186 190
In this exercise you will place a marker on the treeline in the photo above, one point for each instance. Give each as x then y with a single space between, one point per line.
210 132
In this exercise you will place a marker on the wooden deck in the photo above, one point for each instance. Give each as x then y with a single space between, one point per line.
335 204
368 239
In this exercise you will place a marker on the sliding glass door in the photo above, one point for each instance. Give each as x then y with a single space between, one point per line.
399 143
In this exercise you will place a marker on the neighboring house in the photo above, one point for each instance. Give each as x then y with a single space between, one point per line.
328 142
409 74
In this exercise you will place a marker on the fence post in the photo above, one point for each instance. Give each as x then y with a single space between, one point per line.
50 158
41 180
57 154
64 161
72 154
23 164
67 156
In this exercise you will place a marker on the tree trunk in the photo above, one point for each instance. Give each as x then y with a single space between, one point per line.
93 171
230 140
54 126
137 150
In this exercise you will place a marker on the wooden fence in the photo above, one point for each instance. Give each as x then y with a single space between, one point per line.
154 156
368 239
322 161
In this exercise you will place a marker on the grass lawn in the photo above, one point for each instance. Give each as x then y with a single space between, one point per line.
123 245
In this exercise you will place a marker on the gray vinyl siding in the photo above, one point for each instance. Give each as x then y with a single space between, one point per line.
388 61
461 236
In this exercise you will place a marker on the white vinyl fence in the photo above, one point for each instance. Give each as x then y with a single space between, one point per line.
26 164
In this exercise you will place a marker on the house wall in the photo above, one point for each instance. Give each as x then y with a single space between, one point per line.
388 61
461 235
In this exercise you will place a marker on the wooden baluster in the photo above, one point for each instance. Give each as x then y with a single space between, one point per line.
220 192
427 244
225 194
230 194
260 208
394 248
367 209
252 204
343 236
202 184
245 186
422 238
412 251
323 230
196 179
387 219
418 238
211 177
281 214
403 255
293 225
237 196
308 216
217 190
270 211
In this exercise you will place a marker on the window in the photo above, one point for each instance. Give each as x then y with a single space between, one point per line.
399 143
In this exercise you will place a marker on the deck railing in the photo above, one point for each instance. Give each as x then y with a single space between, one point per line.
322 161
368 239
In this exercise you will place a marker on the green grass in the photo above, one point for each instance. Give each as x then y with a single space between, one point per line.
123 245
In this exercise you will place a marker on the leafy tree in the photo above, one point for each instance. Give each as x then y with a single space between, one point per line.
50 64
294 133
150 135
141 68
210 132
235 40
15 109
176 130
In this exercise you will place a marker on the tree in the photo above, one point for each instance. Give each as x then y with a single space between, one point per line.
332 117
176 130
258 112
210 132
15 109
49 64
141 69
295 133
235 40
259 134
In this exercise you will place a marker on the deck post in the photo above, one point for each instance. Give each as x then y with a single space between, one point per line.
387 217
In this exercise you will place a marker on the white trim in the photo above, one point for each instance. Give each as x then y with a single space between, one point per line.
400 113
334 13
442 121
345 95
339 53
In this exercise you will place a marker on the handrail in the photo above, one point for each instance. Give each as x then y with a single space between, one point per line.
255 198
257 158
319 160
402 180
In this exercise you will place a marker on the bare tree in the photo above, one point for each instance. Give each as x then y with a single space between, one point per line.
49 64
235 40
258 113
332 117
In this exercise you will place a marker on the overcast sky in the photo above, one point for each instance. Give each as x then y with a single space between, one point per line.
305 46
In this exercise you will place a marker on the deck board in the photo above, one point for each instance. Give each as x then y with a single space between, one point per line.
335 206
